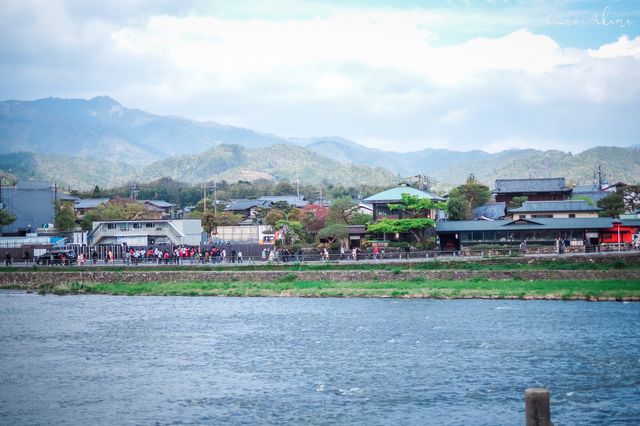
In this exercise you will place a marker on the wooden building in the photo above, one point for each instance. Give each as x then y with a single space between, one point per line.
548 189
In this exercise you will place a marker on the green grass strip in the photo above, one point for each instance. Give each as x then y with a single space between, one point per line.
414 288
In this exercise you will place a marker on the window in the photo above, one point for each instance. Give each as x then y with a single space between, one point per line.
137 225
111 226
572 215
149 225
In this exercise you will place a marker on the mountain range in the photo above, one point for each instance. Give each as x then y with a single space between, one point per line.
82 143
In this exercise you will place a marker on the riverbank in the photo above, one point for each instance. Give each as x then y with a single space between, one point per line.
599 290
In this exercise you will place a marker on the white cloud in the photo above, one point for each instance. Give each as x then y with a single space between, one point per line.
381 77
621 47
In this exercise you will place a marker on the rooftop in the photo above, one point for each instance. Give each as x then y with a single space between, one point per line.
90 203
394 195
292 200
492 211
244 204
159 203
530 185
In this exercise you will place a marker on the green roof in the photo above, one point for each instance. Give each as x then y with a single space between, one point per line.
524 224
394 195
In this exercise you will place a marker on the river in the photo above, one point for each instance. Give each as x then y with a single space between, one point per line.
78 360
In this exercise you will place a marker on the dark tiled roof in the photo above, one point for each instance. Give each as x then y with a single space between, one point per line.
244 204
555 206
530 185
292 200
160 204
90 203
528 224
490 211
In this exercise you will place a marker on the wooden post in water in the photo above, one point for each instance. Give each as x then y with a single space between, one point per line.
537 407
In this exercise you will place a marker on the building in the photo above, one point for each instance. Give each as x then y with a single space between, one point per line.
33 204
82 206
248 209
549 189
588 191
543 231
159 206
259 234
292 200
555 209
143 233
381 201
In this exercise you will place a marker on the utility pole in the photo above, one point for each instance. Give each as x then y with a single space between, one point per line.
598 176
215 198
204 203
298 186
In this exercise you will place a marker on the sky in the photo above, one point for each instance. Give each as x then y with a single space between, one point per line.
394 75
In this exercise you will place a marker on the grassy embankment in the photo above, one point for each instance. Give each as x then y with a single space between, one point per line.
289 286
496 264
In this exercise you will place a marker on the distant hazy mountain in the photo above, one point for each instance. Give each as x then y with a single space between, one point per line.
233 162
102 128
618 164
74 172
82 143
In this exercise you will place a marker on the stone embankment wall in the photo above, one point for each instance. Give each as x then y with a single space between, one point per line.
32 280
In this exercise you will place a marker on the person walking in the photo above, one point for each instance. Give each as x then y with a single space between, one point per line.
94 256
523 247
7 257
239 256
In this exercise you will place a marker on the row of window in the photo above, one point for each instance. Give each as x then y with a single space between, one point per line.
137 225
540 235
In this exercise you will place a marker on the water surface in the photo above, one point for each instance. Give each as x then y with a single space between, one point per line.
166 360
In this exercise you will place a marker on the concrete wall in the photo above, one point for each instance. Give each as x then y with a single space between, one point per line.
33 207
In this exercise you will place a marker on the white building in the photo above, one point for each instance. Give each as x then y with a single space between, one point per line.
260 234
147 232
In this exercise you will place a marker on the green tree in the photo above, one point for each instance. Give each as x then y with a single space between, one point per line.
6 218
274 216
332 233
65 216
415 227
283 187
471 194
342 210
413 206
517 202
586 198
210 220
96 192
291 231
456 209
612 205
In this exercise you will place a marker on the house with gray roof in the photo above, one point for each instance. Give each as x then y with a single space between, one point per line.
248 209
541 231
160 206
555 209
591 191
82 206
381 201
292 200
548 189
